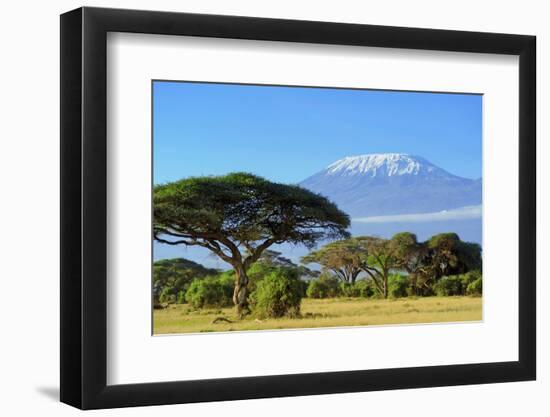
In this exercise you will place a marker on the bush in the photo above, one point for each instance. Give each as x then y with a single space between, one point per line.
172 277
180 299
448 286
349 290
366 288
278 294
463 284
211 292
167 295
326 286
469 277
475 287
398 286
256 273
363 288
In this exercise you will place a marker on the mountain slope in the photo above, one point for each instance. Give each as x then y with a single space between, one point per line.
385 184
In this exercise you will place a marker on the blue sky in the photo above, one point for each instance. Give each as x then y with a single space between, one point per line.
289 133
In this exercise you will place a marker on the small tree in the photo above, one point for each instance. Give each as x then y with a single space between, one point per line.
238 216
348 258
381 259
345 258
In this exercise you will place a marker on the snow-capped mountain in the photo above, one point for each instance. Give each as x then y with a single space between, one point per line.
385 164
392 183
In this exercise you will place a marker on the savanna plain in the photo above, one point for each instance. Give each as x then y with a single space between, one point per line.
332 312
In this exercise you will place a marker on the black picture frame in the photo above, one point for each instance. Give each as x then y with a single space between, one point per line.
84 207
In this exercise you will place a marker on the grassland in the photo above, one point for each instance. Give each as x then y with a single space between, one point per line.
332 312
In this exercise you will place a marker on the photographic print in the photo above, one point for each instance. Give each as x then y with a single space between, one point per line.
286 207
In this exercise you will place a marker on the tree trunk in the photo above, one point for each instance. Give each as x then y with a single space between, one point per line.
240 293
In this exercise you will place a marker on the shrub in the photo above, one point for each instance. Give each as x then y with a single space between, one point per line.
349 290
463 284
475 287
211 292
449 285
469 277
257 272
398 286
365 288
171 277
278 294
362 288
180 299
167 295
326 286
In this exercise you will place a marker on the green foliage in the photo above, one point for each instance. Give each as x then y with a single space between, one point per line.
278 294
167 295
470 277
345 258
366 288
238 207
475 288
450 256
363 288
256 273
448 286
171 277
398 286
349 290
469 283
211 292
180 299
382 258
326 286
472 282
261 269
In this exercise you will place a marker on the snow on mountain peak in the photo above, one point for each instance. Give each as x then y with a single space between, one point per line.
386 164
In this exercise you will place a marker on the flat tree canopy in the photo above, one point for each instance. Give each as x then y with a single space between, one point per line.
345 258
239 215
450 255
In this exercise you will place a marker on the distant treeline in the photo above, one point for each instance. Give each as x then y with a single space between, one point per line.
367 267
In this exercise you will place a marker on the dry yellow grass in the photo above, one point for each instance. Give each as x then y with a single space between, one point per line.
334 312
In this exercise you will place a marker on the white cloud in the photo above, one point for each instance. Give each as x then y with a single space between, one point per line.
462 213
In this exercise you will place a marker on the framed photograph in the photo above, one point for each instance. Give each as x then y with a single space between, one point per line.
257 208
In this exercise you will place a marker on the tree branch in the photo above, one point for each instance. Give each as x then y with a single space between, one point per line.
257 252
374 278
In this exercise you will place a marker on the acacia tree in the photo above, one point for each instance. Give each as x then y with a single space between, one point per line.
381 259
348 258
345 258
412 256
238 216
272 258
448 255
